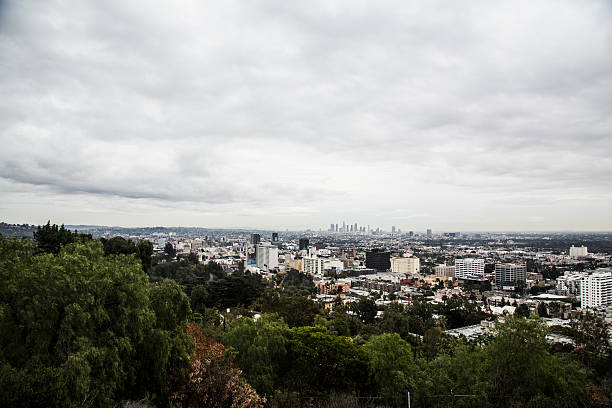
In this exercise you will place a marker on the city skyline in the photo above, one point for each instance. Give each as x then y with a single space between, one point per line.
476 116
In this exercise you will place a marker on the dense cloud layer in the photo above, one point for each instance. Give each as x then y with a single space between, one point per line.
471 115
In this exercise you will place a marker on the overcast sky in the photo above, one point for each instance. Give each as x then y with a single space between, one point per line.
471 115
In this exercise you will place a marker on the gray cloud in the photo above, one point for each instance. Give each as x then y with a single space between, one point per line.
292 115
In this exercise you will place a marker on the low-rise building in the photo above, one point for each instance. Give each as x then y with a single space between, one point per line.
445 270
578 252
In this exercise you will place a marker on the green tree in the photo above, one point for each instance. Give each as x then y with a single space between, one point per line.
542 310
214 381
261 348
295 310
234 290
78 328
460 311
169 250
199 298
590 333
171 305
168 345
522 370
430 341
191 258
118 246
144 250
297 283
420 316
365 309
319 362
436 383
50 238
391 365
344 324
395 320
122 246
522 310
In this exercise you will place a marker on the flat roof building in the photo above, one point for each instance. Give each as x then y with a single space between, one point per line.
445 270
510 273
266 256
596 289
313 265
405 265
578 252
469 268
379 260
303 243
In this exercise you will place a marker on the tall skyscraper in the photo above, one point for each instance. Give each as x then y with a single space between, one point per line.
393 229
429 234
356 230
331 228
336 227
255 239
275 237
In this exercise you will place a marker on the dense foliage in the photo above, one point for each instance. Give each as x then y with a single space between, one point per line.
82 324
213 381
50 238
295 310
81 329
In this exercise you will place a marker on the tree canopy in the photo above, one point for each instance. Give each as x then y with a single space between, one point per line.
81 329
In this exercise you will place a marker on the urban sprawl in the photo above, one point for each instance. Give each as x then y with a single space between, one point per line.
550 275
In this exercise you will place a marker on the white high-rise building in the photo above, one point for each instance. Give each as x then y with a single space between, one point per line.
469 268
578 252
596 289
570 282
266 256
406 265
313 265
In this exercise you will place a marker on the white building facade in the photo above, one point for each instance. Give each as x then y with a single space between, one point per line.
596 290
569 282
469 268
266 256
406 265
445 270
578 252
313 265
